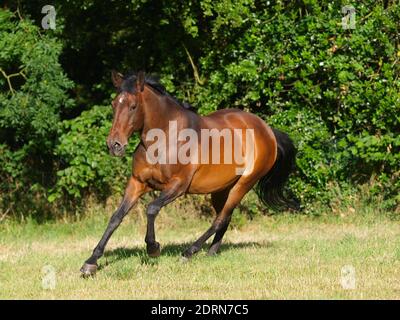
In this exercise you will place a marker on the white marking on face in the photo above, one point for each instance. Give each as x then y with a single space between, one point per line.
121 99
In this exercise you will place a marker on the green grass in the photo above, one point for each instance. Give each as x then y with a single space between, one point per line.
279 257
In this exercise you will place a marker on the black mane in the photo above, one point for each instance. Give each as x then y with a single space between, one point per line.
128 85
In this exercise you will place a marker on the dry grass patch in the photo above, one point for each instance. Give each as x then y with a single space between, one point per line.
281 257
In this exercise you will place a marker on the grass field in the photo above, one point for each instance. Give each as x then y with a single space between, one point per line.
278 257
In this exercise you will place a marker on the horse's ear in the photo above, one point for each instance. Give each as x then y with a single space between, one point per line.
140 79
116 78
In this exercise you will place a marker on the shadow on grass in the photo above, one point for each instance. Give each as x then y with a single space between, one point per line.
172 250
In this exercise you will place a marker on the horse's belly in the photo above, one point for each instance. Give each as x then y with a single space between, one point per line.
213 177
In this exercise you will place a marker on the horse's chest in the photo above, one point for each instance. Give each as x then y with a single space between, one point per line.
155 177
155 184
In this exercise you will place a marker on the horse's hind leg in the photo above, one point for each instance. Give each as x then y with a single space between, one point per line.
218 200
221 222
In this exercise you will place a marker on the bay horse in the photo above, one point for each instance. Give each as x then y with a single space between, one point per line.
141 105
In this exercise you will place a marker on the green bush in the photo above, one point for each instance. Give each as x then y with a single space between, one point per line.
87 166
335 91
33 92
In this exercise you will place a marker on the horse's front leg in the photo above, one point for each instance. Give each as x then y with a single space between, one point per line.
172 191
133 191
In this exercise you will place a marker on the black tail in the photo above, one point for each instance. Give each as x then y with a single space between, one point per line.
271 187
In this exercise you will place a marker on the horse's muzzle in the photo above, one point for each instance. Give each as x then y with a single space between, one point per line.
116 148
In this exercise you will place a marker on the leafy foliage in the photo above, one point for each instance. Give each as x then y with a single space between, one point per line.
33 90
88 166
335 91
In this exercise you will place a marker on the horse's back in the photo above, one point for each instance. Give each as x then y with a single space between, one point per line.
236 119
213 176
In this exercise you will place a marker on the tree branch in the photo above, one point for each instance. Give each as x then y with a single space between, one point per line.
8 78
195 70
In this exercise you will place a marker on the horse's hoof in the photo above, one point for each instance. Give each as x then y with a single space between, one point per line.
88 270
188 253
154 250
185 259
212 252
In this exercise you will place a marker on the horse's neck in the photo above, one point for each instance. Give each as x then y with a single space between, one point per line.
161 111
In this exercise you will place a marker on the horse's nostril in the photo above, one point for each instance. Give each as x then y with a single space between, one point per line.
117 145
